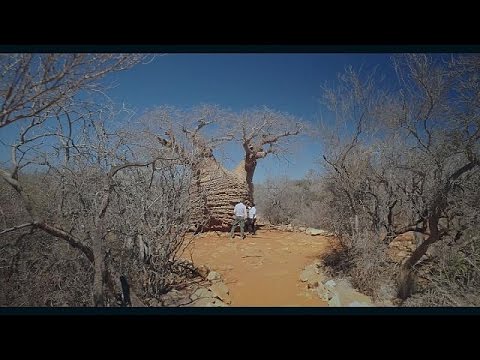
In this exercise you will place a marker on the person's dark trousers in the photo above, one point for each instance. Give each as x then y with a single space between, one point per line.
251 226
247 224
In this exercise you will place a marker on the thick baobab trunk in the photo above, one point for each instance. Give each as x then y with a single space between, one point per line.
217 190
252 154
250 170
220 189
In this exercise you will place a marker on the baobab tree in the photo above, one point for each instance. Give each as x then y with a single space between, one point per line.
263 132
260 132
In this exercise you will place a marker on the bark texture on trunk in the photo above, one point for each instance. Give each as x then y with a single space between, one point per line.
217 190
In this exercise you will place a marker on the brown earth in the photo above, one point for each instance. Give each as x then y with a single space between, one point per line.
262 269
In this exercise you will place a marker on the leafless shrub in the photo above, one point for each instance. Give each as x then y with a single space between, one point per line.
119 198
338 261
285 201
453 277
37 270
372 271
35 87
136 206
405 159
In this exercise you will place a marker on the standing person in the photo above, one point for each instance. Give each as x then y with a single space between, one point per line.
240 213
252 217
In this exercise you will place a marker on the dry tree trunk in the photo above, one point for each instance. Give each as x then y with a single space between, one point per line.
405 276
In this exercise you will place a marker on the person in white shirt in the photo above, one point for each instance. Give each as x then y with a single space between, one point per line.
252 217
240 213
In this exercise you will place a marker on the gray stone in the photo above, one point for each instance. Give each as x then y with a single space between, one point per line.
334 300
315 232
311 275
384 303
213 275
203 271
323 292
203 293
218 303
330 284
203 302
206 302
221 291
359 304
343 294
175 298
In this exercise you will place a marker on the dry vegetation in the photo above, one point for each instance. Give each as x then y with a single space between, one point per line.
94 209
94 213
399 156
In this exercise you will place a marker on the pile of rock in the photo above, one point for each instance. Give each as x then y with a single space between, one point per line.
338 293
213 293
316 232
306 230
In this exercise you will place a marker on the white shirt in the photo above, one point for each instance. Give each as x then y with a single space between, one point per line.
240 210
252 212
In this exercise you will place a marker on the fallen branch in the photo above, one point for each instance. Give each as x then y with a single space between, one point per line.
17 227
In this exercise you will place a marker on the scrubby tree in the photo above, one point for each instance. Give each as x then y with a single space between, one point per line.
76 175
409 149
35 87
295 202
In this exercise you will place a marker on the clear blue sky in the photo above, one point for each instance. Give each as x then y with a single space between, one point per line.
284 82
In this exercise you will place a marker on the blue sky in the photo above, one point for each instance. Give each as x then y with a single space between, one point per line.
285 82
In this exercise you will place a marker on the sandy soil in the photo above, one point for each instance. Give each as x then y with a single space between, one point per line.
262 269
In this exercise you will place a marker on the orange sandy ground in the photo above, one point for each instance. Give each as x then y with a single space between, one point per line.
262 269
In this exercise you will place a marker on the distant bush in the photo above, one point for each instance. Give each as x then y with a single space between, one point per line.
286 201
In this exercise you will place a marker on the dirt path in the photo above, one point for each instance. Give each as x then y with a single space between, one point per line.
264 269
